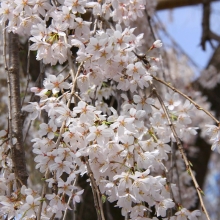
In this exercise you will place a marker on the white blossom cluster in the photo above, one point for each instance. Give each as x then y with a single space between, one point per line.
122 152
53 25
127 149
109 55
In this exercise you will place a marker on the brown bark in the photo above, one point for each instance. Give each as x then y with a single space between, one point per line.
169 4
207 34
18 154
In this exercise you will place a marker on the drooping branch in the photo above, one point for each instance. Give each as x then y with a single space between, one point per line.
181 150
96 192
18 154
188 98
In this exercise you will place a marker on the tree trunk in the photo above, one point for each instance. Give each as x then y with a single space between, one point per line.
18 154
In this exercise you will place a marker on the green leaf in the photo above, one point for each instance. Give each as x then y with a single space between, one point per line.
104 198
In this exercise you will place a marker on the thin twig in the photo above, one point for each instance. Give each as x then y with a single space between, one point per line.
77 96
96 192
154 37
28 128
53 216
9 97
72 72
178 181
174 164
108 24
69 200
207 34
69 102
150 25
47 172
95 26
28 73
4 47
205 24
43 194
62 70
74 77
36 84
4 141
187 97
180 147
9 90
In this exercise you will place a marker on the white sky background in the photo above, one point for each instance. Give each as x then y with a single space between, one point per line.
184 25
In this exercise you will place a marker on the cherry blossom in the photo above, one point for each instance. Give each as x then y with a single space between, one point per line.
56 83
76 196
34 109
157 44
31 206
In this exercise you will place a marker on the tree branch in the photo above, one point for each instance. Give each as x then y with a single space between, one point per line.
169 4
96 192
187 97
181 150
207 34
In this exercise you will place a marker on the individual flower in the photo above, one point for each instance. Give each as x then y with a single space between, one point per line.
65 187
76 196
41 6
125 200
123 124
31 206
59 51
156 44
23 5
135 70
162 207
56 202
213 131
55 83
58 27
194 215
182 214
76 5
86 112
34 108
143 103
172 100
100 133
6 10
67 17
216 144
48 129
82 29
60 166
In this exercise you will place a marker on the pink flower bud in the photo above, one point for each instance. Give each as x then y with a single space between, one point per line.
157 44
35 89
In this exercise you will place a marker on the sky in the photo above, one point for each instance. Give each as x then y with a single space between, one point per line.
184 25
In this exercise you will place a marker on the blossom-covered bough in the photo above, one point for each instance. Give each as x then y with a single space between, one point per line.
105 116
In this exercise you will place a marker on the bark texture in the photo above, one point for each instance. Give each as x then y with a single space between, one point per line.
18 154
169 4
